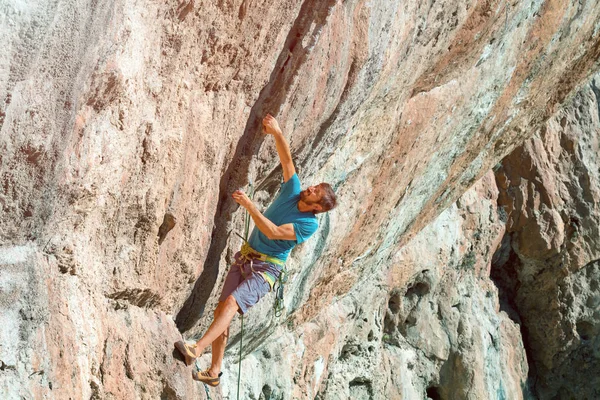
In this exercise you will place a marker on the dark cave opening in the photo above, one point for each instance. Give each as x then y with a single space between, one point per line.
503 272
433 393
504 275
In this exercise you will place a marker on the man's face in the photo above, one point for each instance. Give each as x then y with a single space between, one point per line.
311 194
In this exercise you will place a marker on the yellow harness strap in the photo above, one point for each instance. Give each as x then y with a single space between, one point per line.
248 254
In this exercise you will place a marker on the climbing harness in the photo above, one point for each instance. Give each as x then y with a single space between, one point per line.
247 253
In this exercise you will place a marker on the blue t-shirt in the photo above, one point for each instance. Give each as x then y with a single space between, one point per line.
284 210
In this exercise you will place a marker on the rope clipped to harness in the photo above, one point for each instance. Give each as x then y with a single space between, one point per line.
248 253
246 229
279 306
278 285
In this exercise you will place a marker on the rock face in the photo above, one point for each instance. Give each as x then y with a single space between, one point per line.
115 117
442 334
548 265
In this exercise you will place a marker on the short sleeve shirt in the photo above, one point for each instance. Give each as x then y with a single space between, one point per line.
284 210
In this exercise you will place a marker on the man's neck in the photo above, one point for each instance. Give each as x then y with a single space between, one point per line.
303 207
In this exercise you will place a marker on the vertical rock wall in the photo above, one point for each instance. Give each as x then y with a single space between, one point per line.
113 114
548 263
496 298
430 324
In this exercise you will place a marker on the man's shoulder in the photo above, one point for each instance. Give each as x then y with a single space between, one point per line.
304 226
308 219
291 187
294 180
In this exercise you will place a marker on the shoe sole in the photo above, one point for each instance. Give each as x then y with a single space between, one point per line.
209 381
184 352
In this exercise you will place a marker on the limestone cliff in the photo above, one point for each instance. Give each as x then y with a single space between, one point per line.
548 264
114 114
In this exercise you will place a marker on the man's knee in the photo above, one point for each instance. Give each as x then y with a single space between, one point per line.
231 303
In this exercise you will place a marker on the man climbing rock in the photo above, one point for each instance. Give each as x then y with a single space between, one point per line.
289 220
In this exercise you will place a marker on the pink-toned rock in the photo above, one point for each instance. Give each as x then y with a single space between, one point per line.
113 114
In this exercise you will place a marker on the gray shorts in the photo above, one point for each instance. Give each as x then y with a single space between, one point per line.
246 282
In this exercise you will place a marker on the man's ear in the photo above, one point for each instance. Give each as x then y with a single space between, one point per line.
317 207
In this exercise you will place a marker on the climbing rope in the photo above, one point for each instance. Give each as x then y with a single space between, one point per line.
240 361
247 216
278 306
246 229
278 287
207 392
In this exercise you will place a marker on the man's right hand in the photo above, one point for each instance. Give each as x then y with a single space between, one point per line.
242 199
270 125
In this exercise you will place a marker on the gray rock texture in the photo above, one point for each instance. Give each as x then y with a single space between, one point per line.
114 115
548 263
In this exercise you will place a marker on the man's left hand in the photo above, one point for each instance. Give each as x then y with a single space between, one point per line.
242 199
270 125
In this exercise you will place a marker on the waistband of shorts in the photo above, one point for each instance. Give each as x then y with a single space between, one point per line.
248 252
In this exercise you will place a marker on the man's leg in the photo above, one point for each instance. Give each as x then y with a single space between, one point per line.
219 325
232 281
249 292
218 351
245 295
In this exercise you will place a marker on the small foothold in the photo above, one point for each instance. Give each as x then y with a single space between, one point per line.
168 223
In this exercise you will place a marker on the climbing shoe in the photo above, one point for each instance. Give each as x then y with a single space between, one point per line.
187 350
204 377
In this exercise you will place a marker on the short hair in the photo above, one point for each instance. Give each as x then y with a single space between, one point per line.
328 199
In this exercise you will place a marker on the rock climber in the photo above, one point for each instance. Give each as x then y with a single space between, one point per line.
289 220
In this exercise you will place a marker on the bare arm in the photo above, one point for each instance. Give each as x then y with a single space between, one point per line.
265 225
271 127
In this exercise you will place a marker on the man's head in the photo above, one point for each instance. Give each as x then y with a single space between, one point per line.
318 199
